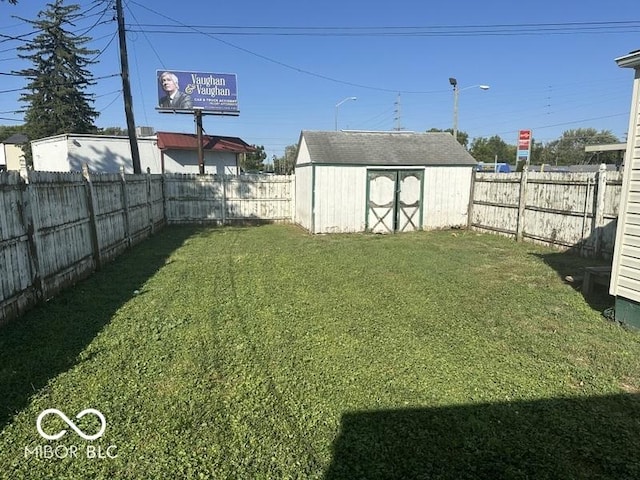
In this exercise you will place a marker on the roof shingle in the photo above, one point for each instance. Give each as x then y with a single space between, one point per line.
385 148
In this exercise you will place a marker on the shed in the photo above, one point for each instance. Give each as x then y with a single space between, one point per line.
68 152
382 182
625 270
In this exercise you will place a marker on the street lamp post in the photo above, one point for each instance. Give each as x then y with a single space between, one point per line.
337 105
456 92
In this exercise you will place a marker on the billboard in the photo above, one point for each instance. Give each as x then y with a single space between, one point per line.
212 93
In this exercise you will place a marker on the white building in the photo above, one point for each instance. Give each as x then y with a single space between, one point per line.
165 152
354 181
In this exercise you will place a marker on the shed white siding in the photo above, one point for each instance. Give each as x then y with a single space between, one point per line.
430 174
104 154
3 160
625 275
340 199
446 196
51 154
304 157
303 192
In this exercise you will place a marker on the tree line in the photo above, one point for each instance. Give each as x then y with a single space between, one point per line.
568 149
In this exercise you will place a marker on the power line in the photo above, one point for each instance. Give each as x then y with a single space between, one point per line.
286 65
147 39
59 84
632 26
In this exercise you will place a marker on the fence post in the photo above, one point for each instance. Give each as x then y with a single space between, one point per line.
224 199
149 205
292 197
125 207
93 227
164 198
472 189
522 200
598 217
30 218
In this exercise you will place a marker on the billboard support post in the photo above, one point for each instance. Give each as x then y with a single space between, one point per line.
198 118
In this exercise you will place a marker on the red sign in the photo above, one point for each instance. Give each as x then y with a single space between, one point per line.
524 146
524 135
524 140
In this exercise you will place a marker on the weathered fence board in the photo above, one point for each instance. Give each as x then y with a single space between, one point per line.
16 270
575 211
57 228
222 199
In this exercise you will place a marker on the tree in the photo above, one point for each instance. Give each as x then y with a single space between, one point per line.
569 149
463 137
56 99
486 149
14 2
285 165
254 162
123 132
7 130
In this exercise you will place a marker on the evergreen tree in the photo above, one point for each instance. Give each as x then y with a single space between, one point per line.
254 162
56 99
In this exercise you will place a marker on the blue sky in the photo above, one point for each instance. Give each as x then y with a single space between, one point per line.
550 65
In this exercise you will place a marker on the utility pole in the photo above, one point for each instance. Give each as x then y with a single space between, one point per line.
126 90
398 115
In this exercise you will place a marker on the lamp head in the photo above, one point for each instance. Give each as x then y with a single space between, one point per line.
453 81
483 87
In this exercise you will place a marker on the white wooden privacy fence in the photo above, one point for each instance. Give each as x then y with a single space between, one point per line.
57 228
229 198
573 211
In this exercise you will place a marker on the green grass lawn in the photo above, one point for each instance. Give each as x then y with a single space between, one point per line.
266 353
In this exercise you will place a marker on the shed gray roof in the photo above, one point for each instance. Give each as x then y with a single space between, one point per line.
385 148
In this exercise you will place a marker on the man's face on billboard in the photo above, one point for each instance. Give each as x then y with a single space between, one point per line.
168 84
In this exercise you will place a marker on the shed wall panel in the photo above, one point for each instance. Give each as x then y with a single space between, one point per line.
446 196
340 197
303 196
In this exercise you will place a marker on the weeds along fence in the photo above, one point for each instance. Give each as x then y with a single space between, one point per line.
57 228
572 211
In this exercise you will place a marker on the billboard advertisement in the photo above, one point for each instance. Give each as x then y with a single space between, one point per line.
212 93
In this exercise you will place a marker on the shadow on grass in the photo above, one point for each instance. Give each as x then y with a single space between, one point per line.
571 265
47 340
581 438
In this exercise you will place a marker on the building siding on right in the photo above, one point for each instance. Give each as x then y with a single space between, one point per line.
625 274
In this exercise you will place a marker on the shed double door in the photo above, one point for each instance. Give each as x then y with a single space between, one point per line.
394 200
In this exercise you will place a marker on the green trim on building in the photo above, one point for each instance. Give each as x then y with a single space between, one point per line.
367 206
628 312
421 214
313 199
